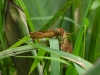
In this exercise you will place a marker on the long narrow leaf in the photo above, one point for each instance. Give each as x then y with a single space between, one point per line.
58 14
55 66
15 51
85 64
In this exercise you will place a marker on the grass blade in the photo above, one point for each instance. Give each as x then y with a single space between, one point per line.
71 57
57 16
55 66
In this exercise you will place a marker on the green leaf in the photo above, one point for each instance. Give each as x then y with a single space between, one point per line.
83 63
49 17
15 51
50 58
27 14
36 61
55 66
79 69
95 4
95 70
94 41
57 16
21 41
78 42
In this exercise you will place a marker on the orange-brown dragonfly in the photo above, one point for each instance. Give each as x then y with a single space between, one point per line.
64 45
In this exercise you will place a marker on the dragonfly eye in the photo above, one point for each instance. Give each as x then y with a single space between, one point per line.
60 31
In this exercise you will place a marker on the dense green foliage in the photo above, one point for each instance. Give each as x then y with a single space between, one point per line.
20 55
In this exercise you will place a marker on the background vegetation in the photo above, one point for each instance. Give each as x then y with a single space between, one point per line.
79 17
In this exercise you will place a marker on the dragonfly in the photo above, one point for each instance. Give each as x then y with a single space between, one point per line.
64 44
